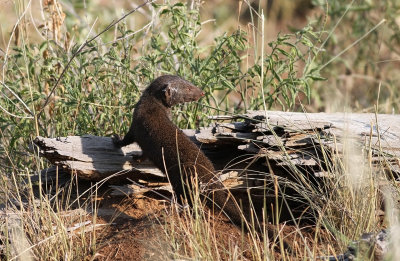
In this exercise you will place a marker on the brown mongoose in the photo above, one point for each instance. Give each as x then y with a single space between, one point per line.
170 149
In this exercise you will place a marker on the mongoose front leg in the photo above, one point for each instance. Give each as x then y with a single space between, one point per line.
128 139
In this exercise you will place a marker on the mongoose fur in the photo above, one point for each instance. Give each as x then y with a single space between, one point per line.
170 149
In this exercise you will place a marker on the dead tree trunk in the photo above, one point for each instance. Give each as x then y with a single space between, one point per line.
280 140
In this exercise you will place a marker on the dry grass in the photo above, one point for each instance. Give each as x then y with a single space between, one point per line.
38 38
347 204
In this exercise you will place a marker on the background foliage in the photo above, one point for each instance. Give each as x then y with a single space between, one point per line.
305 55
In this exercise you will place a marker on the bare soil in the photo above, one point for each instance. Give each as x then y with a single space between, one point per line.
135 231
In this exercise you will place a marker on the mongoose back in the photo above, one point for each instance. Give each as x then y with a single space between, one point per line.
169 148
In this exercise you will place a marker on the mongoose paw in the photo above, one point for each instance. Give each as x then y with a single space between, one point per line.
116 140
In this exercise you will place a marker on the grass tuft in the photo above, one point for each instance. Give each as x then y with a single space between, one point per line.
74 69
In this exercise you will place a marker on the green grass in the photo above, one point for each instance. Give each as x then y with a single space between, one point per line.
343 50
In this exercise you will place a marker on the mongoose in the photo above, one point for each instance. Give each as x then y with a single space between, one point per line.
169 148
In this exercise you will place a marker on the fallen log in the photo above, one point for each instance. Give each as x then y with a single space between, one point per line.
285 138
94 158
258 153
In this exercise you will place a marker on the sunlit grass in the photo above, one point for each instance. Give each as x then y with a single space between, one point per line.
246 68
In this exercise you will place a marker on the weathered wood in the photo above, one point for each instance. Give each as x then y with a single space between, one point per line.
94 158
20 247
383 129
285 138
296 136
229 179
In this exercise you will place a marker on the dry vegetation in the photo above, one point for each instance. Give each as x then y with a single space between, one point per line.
61 74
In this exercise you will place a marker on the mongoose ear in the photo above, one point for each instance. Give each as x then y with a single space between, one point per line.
176 94
168 94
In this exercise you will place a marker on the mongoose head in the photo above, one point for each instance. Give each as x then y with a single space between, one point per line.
172 90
